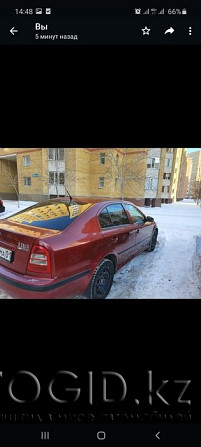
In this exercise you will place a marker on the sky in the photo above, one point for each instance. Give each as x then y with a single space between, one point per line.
193 149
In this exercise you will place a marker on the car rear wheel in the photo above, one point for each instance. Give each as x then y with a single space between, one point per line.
102 279
153 241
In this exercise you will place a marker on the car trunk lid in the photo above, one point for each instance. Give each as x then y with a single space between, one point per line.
16 242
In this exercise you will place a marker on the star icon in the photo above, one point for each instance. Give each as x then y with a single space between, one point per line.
146 30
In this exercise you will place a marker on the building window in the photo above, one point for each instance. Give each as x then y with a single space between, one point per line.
170 150
51 154
26 160
56 178
165 188
27 181
102 158
51 178
168 162
153 163
61 178
101 182
56 154
166 176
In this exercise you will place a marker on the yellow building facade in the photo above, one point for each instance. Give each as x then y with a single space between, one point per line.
23 170
145 176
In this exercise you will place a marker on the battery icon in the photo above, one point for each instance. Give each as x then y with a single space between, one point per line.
184 11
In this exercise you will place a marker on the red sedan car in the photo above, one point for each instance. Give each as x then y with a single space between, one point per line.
62 248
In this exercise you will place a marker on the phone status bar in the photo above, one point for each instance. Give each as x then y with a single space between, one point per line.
160 11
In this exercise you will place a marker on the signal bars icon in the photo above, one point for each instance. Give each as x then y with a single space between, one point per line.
154 11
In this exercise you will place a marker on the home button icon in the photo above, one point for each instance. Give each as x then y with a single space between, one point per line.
101 435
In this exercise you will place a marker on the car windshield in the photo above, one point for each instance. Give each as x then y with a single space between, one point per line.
53 215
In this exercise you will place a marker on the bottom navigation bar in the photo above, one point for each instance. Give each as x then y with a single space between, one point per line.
96 435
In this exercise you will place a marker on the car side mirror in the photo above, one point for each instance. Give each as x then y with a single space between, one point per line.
150 219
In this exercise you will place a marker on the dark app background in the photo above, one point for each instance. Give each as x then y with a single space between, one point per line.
101 97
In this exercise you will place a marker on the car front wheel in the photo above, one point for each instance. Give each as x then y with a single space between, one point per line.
101 281
153 241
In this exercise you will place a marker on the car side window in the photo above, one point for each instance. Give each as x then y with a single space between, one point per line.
105 219
117 214
136 215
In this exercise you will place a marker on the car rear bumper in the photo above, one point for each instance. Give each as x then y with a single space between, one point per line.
26 286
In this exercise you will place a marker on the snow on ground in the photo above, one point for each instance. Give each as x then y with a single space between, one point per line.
11 207
173 269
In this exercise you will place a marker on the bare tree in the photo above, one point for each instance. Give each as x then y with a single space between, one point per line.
196 191
125 170
12 178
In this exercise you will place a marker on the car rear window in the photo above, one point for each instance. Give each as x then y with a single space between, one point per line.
117 214
113 215
105 219
51 215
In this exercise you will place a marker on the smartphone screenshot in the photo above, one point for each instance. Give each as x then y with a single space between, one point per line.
100 211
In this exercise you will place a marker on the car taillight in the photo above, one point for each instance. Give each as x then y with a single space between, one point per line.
39 260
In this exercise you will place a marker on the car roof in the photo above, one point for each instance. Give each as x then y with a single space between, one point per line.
93 200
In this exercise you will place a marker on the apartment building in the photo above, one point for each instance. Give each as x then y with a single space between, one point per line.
189 171
176 166
196 169
146 176
23 170
184 172
152 179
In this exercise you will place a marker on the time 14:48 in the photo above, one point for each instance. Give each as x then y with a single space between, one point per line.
24 11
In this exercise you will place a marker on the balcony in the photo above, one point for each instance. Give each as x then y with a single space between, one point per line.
165 195
166 182
168 169
57 190
56 165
